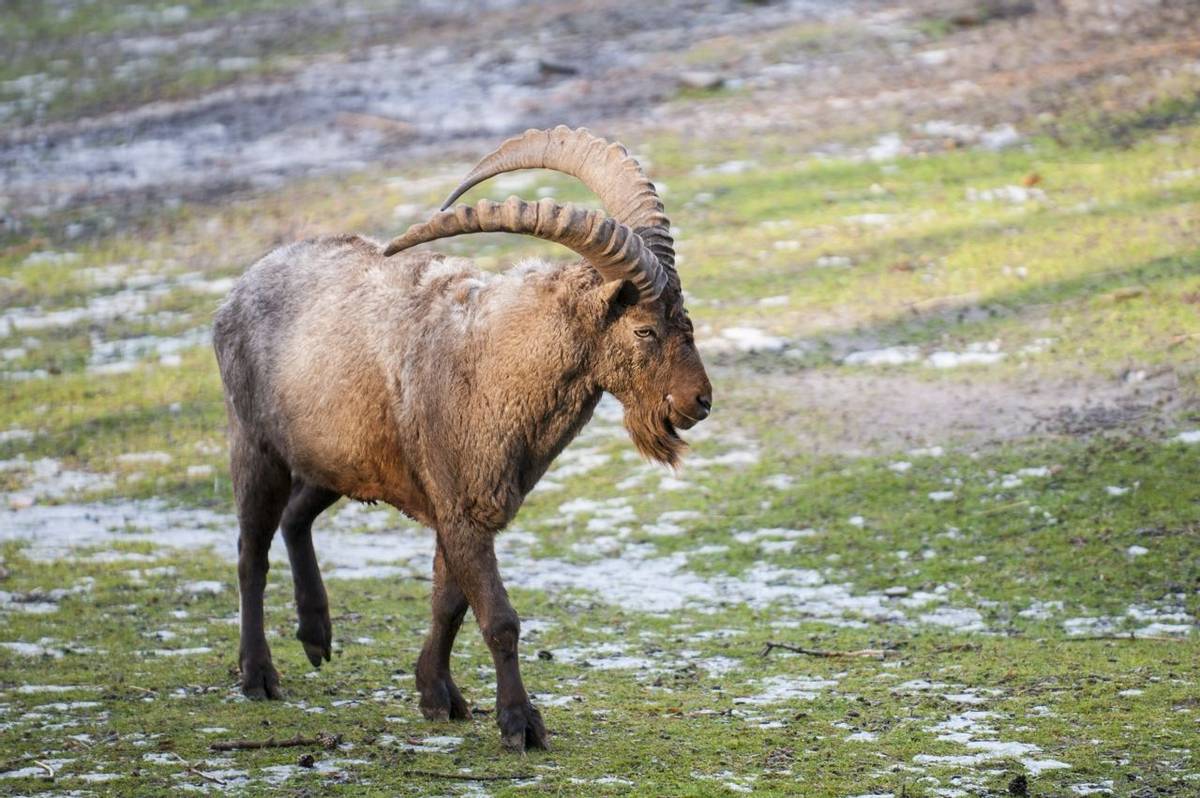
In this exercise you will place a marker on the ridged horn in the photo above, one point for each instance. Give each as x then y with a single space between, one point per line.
606 168
611 247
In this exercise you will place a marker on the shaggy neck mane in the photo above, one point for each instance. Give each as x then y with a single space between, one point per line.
647 422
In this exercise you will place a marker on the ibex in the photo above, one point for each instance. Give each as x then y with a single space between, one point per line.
446 392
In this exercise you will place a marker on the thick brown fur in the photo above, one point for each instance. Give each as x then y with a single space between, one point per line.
445 391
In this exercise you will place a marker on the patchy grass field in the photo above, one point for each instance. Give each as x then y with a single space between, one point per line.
953 458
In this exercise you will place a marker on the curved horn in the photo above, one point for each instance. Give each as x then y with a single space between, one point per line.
610 247
607 169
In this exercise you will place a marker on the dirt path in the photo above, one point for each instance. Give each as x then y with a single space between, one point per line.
854 413
428 85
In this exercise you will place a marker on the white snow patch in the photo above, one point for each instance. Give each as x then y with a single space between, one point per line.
605 657
1041 610
144 458
887 147
38 649
962 619
930 451
778 481
892 356
745 339
976 354
778 689
440 744
719 666
16 434
209 587
1012 194
966 728
181 652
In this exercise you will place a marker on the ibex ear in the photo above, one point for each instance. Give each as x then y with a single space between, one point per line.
619 294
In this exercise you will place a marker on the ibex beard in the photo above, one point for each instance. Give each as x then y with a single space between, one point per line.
356 369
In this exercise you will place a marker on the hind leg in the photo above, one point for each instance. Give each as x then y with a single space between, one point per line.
315 631
440 698
260 485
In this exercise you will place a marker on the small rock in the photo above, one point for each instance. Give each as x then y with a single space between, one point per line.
307 760
1019 786
20 501
705 81
1125 294
545 655
548 68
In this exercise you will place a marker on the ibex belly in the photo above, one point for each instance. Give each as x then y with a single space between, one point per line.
342 435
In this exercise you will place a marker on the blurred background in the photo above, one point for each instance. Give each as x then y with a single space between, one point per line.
943 262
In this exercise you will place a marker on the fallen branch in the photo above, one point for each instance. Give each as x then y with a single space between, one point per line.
999 508
49 770
936 303
1130 636
869 653
956 647
433 774
325 740
1183 338
190 768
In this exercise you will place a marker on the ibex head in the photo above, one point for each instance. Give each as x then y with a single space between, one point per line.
645 354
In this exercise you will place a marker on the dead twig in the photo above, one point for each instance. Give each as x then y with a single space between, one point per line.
937 303
433 774
1183 338
1129 636
864 653
324 739
190 768
49 770
999 508
956 647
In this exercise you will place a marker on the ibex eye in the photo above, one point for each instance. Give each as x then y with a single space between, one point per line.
644 332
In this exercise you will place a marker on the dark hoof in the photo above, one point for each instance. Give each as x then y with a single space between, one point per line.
260 681
315 633
441 700
521 728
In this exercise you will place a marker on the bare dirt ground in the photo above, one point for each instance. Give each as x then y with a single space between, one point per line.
444 75
406 84
858 414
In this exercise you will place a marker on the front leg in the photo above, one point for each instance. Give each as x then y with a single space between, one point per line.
440 698
470 554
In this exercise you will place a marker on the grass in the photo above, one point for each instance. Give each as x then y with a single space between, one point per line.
672 726
982 579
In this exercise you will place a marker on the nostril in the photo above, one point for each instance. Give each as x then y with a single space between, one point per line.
705 401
